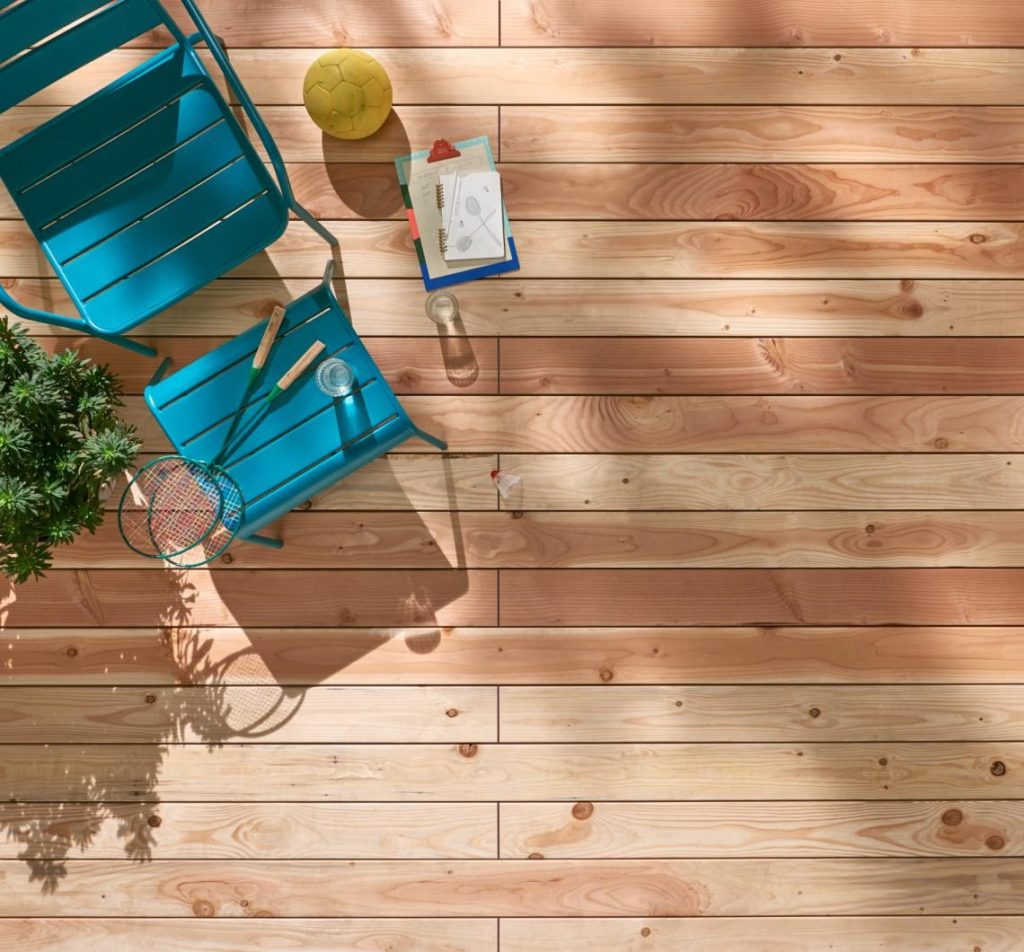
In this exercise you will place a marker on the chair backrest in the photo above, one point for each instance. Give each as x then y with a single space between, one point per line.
41 41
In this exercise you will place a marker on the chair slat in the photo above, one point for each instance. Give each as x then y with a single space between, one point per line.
110 164
164 230
141 194
35 21
169 280
84 42
96 120
202 428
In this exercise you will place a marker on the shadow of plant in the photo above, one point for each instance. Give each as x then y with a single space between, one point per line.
88 795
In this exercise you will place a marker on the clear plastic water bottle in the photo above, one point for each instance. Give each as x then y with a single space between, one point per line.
335 378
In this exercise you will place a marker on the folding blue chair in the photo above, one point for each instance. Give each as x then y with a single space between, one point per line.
284 453
148 190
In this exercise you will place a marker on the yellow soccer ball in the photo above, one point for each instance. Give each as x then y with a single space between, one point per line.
347 94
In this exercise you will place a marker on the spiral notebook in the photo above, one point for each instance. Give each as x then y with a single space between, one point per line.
420 176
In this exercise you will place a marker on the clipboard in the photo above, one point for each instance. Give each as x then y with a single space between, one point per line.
419 177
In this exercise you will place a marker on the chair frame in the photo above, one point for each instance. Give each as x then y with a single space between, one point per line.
218 50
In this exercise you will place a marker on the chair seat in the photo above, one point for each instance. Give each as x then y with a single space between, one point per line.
143 193
284 453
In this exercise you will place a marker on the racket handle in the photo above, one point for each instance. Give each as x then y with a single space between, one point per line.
296 370
269 336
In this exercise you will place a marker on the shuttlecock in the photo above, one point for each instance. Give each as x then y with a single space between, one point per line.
505 482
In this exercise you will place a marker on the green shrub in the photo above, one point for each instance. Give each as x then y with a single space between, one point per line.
60 442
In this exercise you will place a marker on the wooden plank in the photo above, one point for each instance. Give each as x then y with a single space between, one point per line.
658 191
731 133
243 935
758 365
759 23
735 829
256 831
716 655
508 540
285 888
644 250
745 482
511 76
254 707
257 598
408 128
782 713
320 23
252 773
402 482
517 307
762 597
804 934
452 365
731 424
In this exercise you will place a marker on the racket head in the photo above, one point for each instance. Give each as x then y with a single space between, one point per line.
164 509
180 510
218 481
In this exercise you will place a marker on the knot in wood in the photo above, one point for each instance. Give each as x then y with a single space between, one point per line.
995 842
645 932
952 817
468 750
978 238
203 908
606 674
154 821
998 768
535 856
452 712
815 712
72 652
151 699
942 443
227 558
583 810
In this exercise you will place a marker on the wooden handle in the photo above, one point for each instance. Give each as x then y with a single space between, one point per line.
300 365
269 336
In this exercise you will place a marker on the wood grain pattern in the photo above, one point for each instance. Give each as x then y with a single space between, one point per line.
511 76
753 365
736 829
803 934
804 23
777 133
943 654
517 307
770 714
523 887
762 597
646 250
442 596
508 540
250 773
319 23
243 935
191 831
255 707
746 482
729 424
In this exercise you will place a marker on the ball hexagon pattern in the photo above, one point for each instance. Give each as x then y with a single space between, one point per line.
347 94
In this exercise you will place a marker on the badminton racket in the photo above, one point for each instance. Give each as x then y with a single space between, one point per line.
259 360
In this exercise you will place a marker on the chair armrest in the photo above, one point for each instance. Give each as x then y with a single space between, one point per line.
207 36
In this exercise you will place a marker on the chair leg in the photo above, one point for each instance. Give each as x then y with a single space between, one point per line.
265 540
432 440
158 374
331 239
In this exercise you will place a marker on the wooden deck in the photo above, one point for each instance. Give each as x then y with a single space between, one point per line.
750 640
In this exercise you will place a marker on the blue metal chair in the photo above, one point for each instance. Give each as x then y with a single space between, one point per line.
286 452
148 190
